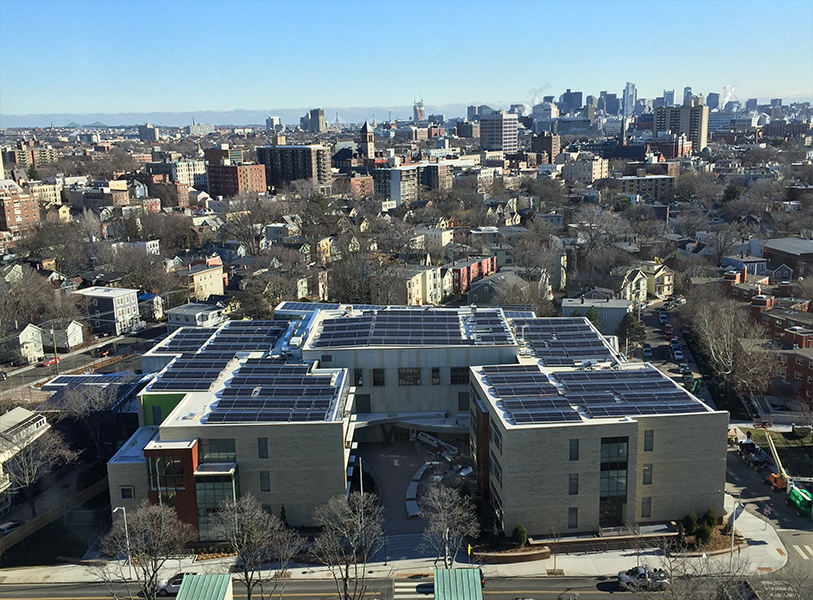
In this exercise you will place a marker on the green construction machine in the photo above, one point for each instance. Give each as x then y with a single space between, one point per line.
781 481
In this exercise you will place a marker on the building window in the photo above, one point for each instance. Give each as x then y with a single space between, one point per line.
572 518
326 358
459 375
265 481
647 474
409 376
363 403
495 435
799 360
573 484
797 375
462 401
435 375
646 507
166 474
358 377
217 450
127 492
262 447
495 469
649 440
378 378
574 449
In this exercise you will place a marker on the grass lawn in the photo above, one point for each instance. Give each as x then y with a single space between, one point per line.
795 453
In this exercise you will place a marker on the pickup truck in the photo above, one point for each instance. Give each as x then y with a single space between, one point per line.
643 578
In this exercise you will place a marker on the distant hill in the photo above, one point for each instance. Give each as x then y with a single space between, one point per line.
289 116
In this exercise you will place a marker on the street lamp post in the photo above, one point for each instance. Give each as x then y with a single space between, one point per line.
733 522
127 536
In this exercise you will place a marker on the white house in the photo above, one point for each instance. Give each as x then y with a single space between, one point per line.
65 336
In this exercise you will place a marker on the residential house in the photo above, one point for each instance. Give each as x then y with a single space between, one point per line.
755 265
487 290
65 335
795 252
112 311
660 279
203 280
24 344
151 306
195 314
466 271
610 311
18 428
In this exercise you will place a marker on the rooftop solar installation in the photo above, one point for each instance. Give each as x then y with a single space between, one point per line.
529 396
267 390
186 339
411 327
561 341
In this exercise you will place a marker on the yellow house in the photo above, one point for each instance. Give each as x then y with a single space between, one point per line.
660 279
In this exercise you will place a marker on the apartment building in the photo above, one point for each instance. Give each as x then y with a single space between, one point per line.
499 131
691 119
284 164
19 211
112 311
231 180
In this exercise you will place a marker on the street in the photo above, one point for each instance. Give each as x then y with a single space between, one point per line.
553 588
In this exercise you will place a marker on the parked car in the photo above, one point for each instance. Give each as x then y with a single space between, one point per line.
647 351
678 355
170 586
664 317
3 375
10 526
670 335
49 361
643 578
674 343
683 368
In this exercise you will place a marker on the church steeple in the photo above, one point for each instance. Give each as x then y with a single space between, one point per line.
367 142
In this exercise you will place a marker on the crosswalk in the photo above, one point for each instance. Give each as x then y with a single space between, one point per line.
412 589
778 590
805 551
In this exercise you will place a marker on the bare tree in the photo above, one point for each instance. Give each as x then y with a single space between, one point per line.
719 324
450 519
256 537
153 535
352 531
755 365
32 460
691 220
722 240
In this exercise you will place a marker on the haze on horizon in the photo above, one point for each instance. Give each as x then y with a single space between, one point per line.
89 57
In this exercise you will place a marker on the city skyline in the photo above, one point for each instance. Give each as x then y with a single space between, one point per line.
125 58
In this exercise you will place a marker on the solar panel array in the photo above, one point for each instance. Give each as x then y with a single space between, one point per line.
410 327
187 339
307 307
626 392
264 390
192 372
490 327
562 341
532 397
528 395
247 336
519 314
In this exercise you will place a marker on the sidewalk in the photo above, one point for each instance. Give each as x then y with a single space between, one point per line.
764 553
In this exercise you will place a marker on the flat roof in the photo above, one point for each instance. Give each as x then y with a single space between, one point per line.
98 290
563 341
458 584
530 394
133 449
402 327
192 308
154 444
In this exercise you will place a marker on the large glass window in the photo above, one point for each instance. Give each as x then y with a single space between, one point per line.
613 481
495 469
211 491
166 476
409 376
378 378
217 451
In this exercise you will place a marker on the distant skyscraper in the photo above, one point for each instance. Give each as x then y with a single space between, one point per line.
418 112
498 131
472 112
570 101
314 121
272 124
630 98
713 100
687 93
691 119
751 104
669 97
776 102
148 133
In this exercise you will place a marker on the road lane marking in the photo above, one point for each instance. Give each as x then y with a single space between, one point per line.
809 550
801 553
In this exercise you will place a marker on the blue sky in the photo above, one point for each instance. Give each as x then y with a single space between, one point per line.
94 56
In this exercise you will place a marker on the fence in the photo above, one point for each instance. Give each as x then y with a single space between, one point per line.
51 515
